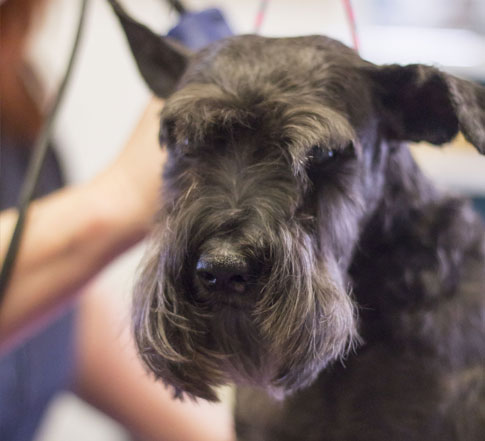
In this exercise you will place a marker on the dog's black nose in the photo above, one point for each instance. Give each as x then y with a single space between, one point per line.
227 273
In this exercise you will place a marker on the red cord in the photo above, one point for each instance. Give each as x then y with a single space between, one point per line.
349 10
258 23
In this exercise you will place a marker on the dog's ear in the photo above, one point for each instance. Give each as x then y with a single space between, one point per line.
421 103
161 61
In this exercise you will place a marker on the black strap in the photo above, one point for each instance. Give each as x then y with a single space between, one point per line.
36 161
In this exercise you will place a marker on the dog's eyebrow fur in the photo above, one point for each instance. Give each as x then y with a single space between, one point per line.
296 121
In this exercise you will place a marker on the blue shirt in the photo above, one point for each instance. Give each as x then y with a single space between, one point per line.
33 373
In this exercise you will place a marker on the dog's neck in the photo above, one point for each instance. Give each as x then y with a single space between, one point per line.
406 193
412 215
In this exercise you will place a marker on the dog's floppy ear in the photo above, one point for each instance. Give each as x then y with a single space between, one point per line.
421 103
160 60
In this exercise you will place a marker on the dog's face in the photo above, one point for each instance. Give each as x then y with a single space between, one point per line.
277 156
266 185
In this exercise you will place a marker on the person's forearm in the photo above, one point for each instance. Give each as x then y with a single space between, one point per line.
69 236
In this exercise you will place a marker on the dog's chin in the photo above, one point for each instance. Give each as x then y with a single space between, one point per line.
235 349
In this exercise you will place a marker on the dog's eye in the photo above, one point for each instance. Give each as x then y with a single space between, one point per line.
184 149
320 155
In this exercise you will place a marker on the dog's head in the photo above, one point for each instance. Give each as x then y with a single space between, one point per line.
276 155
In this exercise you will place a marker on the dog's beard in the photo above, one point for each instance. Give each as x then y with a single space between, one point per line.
301 319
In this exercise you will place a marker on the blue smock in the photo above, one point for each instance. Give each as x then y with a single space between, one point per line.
34 372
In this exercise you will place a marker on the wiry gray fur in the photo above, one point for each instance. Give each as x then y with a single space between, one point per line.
354 248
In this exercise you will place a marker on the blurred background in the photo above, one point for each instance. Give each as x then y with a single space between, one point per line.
106 97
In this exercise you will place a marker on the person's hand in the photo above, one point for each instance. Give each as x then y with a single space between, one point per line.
133 180
73 233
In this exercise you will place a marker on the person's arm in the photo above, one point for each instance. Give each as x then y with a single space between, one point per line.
71 234
110 376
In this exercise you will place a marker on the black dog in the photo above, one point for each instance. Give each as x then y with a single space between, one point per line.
296 231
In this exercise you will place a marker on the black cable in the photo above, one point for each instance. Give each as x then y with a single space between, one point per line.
36 162
178 6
